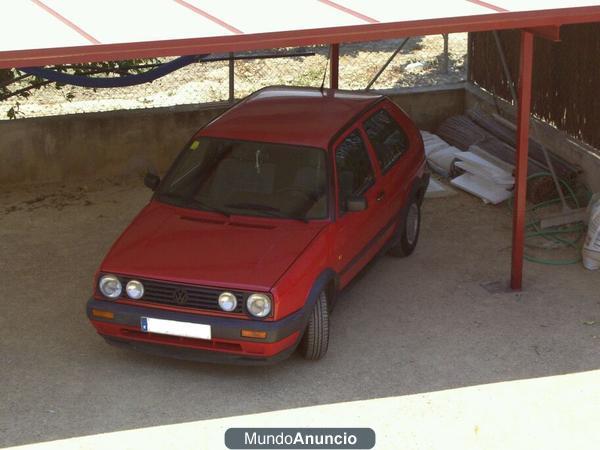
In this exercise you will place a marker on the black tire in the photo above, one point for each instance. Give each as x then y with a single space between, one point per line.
407 235
315 340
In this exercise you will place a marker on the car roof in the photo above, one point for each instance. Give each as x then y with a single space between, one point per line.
291 115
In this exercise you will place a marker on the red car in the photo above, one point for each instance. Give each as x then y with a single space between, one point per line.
268 212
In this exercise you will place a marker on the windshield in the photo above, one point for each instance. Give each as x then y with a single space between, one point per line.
249 178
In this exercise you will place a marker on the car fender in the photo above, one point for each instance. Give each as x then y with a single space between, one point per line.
417 191
321 283
325 277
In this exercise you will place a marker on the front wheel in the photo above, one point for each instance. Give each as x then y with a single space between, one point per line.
315 341
408 231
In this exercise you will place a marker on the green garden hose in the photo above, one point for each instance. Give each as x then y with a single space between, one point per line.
554 234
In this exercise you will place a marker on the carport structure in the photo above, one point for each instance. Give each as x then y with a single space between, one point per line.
48 32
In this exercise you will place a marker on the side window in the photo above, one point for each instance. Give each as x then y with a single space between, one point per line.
354 171
387 137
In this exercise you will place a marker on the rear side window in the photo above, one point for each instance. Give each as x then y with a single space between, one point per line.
387 137
353 166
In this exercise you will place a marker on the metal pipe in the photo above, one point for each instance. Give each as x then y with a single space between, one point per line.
507 75
387 63
524 111
446 58
260 56
536 133
231 78
468 56
334 61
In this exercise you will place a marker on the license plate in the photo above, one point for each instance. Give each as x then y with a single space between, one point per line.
175 328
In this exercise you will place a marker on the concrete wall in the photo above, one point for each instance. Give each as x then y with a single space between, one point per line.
430 106
122 143
91 146
66 148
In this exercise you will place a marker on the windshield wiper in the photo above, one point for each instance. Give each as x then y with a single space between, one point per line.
266 210
199 203
211 208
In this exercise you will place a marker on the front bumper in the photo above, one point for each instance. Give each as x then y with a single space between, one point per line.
226 345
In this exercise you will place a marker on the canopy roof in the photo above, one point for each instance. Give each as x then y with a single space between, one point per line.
44 32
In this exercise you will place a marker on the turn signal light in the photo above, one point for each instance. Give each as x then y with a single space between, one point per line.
254 334
103 314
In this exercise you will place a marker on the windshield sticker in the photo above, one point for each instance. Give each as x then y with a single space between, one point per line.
195 145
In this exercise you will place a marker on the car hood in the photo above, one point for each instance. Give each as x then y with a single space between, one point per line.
187 246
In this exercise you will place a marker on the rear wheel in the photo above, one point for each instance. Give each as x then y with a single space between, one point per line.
315 341
408 231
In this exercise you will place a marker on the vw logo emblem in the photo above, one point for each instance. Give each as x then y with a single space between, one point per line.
180 297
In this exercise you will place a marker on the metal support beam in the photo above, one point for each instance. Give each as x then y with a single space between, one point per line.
551 33
334 62
468 56
446 57
387 63
524 105
536 134
507 75
231 78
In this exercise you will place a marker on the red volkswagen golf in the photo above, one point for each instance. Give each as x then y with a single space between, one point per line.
265 216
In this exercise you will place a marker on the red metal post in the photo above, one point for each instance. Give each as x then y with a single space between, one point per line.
524 105
334 63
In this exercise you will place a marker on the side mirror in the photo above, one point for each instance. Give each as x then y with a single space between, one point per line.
151 181
355 204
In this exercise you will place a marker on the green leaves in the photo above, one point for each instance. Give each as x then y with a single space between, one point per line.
14 111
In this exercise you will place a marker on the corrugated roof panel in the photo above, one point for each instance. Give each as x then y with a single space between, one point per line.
39 32
417 10
535 5
116 21
262 16
24 25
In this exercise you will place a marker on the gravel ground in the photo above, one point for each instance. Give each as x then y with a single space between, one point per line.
416 65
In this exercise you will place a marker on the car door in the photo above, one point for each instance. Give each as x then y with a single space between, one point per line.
355 177
389 140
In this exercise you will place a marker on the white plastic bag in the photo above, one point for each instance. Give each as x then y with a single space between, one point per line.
591 247
440 154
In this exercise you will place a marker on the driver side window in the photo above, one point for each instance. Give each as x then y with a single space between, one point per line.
353 167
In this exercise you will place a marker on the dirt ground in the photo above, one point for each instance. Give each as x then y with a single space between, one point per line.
429 322
416 65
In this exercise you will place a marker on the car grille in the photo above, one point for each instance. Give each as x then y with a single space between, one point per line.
186 296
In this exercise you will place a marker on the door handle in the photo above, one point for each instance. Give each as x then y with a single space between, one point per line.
380 196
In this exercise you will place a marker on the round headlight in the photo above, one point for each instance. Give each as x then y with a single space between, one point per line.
135 289
259 305
227 301
110 286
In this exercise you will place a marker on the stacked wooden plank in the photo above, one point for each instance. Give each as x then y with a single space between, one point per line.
471 172
493 138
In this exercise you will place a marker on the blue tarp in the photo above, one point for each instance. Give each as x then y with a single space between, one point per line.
113 82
